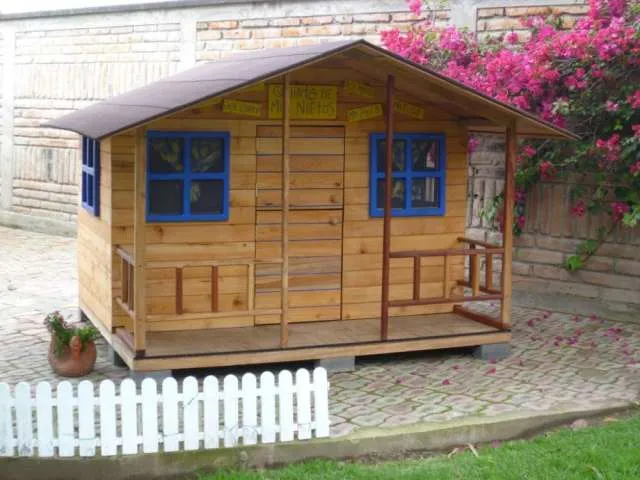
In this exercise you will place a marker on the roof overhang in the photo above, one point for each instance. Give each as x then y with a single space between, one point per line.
479 112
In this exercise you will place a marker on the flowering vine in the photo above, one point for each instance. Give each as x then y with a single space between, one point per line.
586 79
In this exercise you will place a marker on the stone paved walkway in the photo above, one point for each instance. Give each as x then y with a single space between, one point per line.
557 358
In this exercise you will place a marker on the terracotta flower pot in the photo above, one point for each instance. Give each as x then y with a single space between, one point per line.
74 361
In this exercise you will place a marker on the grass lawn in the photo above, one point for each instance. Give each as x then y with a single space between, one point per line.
607 452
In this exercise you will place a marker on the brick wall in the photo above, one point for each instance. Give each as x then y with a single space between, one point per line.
217 39
498 20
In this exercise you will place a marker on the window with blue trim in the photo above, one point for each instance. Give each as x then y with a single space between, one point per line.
91 175
418 174
187 176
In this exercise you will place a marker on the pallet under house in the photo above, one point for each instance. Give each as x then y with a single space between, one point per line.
290 204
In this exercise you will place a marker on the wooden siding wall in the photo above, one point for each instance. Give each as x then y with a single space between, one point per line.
362 244
335 222
94 251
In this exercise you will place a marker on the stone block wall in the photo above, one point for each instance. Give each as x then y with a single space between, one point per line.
52 64
608 286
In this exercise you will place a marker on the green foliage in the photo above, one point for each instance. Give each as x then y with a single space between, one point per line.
62 332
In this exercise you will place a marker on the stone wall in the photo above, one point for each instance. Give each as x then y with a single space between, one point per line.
51 64
608 286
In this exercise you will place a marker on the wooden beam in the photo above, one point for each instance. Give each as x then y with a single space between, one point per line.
139 225
416 277
286 132
442 300
474 274
478 317
447 260
507 243
488 272
386 232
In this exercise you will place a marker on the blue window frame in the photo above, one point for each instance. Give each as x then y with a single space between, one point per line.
187 176
418 174
91 175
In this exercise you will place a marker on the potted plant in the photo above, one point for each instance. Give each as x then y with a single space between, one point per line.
72 352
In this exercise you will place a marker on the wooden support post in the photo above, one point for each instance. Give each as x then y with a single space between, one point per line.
488 272
179 291
284 300
386 232
474 266
214 288
447 280
416 277
130 294
139 225
509 196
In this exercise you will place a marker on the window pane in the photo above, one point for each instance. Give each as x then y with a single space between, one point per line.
165 197
84 187
399 149
207 155
425 192
207 196
90 198
165 155
397 194
90 152
425 155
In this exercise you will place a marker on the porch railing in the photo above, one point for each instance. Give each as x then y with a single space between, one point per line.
126 299
474 253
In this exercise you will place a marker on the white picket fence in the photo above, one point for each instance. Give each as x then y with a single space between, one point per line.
129 422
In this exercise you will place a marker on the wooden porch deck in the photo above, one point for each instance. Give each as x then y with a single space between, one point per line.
308 341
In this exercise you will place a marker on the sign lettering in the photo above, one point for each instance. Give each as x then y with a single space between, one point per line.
308 102
364 113
358 88
408 109
239 107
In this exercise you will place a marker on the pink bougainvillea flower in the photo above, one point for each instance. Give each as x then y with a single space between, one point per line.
634 100
636 130
547 170
579 209
415 6
446 381
473 144
512 38
612 106
618 209
635 168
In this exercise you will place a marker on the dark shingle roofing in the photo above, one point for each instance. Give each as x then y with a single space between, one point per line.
208 80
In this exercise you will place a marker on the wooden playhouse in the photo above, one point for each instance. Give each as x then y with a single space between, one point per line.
239 212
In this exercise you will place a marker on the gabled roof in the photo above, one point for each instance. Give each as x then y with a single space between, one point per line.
212 79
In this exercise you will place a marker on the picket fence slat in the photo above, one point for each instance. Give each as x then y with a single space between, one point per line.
44 419
86 419
268 407
108 438
6 421
191 413
303 404
211 400
129 416
170 414
321 402
149 416
285 394
186 417
66 431
249 409
230 395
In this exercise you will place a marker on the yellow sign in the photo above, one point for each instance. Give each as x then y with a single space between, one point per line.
239 107
408 109
364 113
308 102
357 88
258 87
